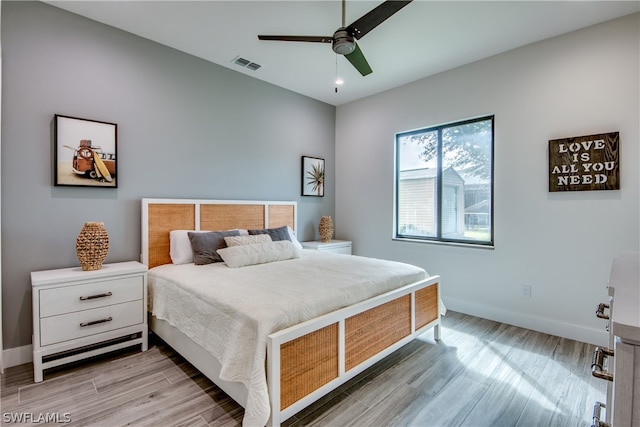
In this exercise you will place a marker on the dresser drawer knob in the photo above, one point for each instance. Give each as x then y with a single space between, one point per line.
108 294
599 355
95 322
600 311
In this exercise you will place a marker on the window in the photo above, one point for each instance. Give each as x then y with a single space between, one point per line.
444 183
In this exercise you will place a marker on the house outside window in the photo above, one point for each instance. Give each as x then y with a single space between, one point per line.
444 183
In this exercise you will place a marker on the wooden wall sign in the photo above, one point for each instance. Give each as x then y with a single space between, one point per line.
585 163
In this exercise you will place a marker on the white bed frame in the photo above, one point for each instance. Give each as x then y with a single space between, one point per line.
210 367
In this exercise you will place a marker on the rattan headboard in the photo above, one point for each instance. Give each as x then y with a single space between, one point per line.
160 216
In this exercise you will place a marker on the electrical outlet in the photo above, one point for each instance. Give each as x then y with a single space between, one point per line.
526 291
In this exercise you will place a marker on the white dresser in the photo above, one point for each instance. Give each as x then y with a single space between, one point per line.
620 363
78 314
333 246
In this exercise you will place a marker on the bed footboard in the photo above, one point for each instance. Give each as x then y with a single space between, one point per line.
307 361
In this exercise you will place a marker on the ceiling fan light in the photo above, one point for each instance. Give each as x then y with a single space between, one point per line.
343 43
343 47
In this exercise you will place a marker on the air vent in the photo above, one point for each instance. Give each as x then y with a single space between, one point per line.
241 61
246 63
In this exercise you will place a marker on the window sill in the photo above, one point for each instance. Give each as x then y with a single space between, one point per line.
438 242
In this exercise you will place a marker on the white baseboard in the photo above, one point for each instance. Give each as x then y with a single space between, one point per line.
17 356
540 324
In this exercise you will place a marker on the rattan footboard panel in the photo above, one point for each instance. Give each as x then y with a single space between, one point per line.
426 305
308 363
370 332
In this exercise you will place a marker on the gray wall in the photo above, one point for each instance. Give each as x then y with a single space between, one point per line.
561 244
186 128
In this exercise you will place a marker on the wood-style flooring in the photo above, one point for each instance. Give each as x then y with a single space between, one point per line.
482 373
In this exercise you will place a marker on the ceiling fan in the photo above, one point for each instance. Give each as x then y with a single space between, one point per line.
343 40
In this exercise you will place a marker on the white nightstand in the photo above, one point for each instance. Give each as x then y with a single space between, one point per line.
79 314
334 246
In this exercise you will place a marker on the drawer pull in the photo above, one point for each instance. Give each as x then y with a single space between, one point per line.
596 415
108 294
95 322
599 355
600 311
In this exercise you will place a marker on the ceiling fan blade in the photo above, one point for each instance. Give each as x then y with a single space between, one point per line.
314 39
375 17
358 60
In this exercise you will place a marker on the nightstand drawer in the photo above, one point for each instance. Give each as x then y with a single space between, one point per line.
70 326
91 295
345 250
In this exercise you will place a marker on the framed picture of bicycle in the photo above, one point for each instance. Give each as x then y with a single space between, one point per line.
312 176
85 152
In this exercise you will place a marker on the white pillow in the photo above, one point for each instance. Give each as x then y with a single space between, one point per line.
180 246
247 240
180 249
294 239
260 253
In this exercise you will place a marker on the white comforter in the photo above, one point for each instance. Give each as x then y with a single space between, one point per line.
231 311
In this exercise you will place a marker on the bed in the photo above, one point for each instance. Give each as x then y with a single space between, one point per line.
293 357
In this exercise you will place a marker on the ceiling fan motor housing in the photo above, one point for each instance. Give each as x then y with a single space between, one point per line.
343 43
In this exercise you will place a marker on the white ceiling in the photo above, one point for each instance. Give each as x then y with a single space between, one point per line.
424 38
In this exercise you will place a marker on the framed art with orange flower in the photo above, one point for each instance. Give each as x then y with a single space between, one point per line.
312 176
85 152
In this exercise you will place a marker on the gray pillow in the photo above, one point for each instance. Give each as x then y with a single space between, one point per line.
206 245
280 233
